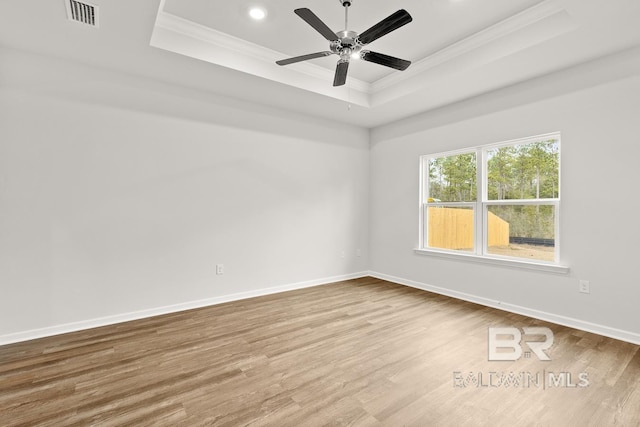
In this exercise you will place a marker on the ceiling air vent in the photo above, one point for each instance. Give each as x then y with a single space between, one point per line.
82 12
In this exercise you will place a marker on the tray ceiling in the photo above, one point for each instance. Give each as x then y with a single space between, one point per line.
211 50
444 37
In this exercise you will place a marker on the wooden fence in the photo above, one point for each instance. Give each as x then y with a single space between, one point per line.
452 228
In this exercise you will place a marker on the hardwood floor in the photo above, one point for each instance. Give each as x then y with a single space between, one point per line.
362 352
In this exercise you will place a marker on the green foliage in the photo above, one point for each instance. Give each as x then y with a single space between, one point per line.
453 178
527 220
527 171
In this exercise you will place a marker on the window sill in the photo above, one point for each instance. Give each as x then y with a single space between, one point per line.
526 265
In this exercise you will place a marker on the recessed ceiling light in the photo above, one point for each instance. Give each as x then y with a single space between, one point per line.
257 13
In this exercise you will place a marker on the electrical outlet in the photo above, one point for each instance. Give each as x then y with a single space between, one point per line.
584 287
342 254
358 253
219 268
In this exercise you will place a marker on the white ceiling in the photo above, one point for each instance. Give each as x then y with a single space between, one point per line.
436 25
459 48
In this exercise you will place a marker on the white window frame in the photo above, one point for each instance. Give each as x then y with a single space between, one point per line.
481 207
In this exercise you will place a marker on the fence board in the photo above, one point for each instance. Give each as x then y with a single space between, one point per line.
498 231
452 228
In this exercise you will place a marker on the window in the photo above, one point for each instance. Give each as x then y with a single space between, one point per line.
498 201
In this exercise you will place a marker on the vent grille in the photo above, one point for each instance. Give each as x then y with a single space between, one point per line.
84 13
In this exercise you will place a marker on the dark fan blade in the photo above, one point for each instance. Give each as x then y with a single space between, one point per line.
303 58
386 60
341 73
316 23
391 23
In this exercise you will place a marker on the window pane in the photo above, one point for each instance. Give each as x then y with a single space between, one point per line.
523 231
450 227
452 178
527 171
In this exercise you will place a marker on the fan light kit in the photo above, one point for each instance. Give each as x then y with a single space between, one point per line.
349 44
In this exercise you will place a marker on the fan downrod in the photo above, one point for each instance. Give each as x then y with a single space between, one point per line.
347 44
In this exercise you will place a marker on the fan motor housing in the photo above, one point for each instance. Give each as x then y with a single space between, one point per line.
347 38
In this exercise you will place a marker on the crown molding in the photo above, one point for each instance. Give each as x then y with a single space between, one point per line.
172 33
533 15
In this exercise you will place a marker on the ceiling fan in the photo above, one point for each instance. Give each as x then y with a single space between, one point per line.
349 44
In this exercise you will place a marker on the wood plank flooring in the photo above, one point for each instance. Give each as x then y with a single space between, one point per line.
362 352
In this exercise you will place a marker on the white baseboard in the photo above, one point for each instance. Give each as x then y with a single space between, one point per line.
619 334
606 331
125 317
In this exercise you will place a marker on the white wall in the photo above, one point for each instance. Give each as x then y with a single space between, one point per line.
600 230
119 195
